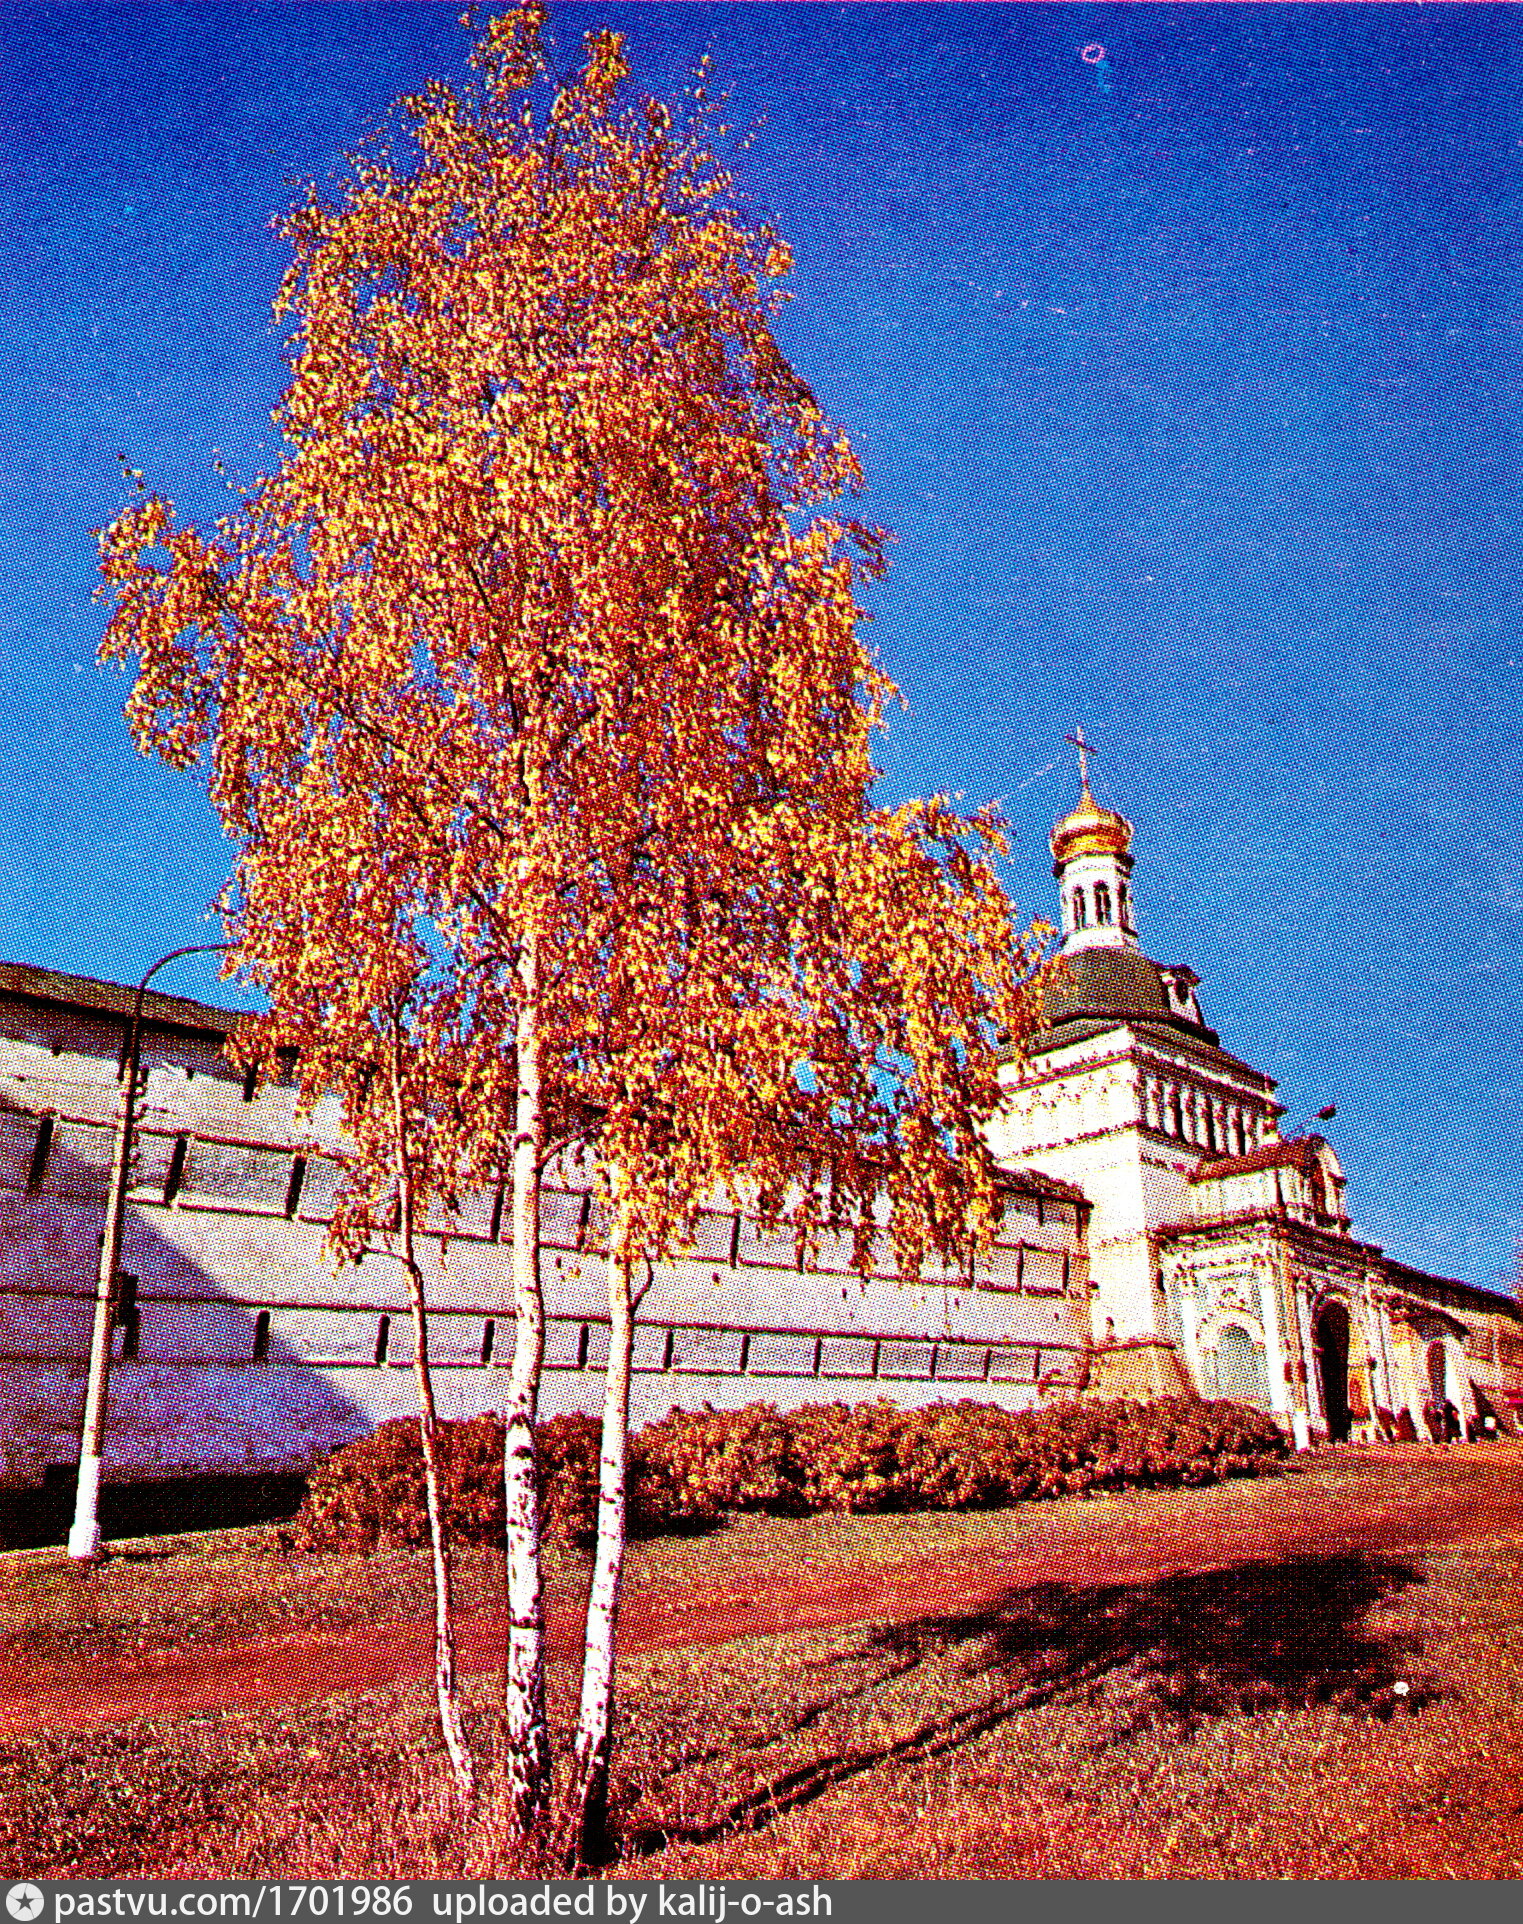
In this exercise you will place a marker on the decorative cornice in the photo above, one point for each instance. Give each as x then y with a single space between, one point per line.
1278 1224
1146 1055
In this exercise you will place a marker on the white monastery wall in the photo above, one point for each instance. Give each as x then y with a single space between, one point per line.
242 1348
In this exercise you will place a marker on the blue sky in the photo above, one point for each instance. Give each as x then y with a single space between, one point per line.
1189 402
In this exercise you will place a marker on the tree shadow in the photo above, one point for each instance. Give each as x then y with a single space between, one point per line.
208 1411
157 1507
1267 1635
1276 1634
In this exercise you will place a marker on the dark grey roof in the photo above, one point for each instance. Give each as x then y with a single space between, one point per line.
1112 985
1476 1295
1036 1182
1286 1152
111 998
1105 982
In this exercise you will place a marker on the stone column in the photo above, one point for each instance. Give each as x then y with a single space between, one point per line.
1280 1401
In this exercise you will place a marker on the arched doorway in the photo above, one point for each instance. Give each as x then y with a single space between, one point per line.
1440 1404
1331 1337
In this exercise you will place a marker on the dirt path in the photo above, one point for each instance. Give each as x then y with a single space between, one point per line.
305 1664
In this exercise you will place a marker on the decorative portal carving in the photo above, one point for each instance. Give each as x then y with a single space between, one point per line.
1235 1292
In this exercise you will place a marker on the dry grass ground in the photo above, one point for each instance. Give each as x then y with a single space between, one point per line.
1167 1684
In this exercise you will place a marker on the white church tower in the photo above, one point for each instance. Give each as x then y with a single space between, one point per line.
1124 1090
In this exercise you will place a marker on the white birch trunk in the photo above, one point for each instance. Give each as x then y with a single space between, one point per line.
587 1804
528 1736
446 1677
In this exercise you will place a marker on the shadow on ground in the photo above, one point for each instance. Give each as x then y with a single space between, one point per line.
1281 1634
32 1519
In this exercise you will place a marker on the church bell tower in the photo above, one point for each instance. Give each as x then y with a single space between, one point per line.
1123 1089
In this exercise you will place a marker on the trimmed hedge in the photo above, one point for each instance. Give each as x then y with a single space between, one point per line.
692 1469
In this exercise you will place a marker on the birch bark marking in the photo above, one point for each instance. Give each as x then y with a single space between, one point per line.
587 1803
446 1681
528 1735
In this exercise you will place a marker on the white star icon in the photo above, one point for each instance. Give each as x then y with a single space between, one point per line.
24 1901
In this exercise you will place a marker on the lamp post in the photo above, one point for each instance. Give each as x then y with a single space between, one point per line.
84 1536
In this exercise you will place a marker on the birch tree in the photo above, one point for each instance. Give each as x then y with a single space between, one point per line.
532 676
813 1030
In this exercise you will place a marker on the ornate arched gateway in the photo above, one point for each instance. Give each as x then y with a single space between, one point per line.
1331 1338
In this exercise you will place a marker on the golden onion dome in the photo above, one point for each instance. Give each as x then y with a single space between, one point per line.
1090 830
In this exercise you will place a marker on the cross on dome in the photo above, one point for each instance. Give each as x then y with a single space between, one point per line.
1085 751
